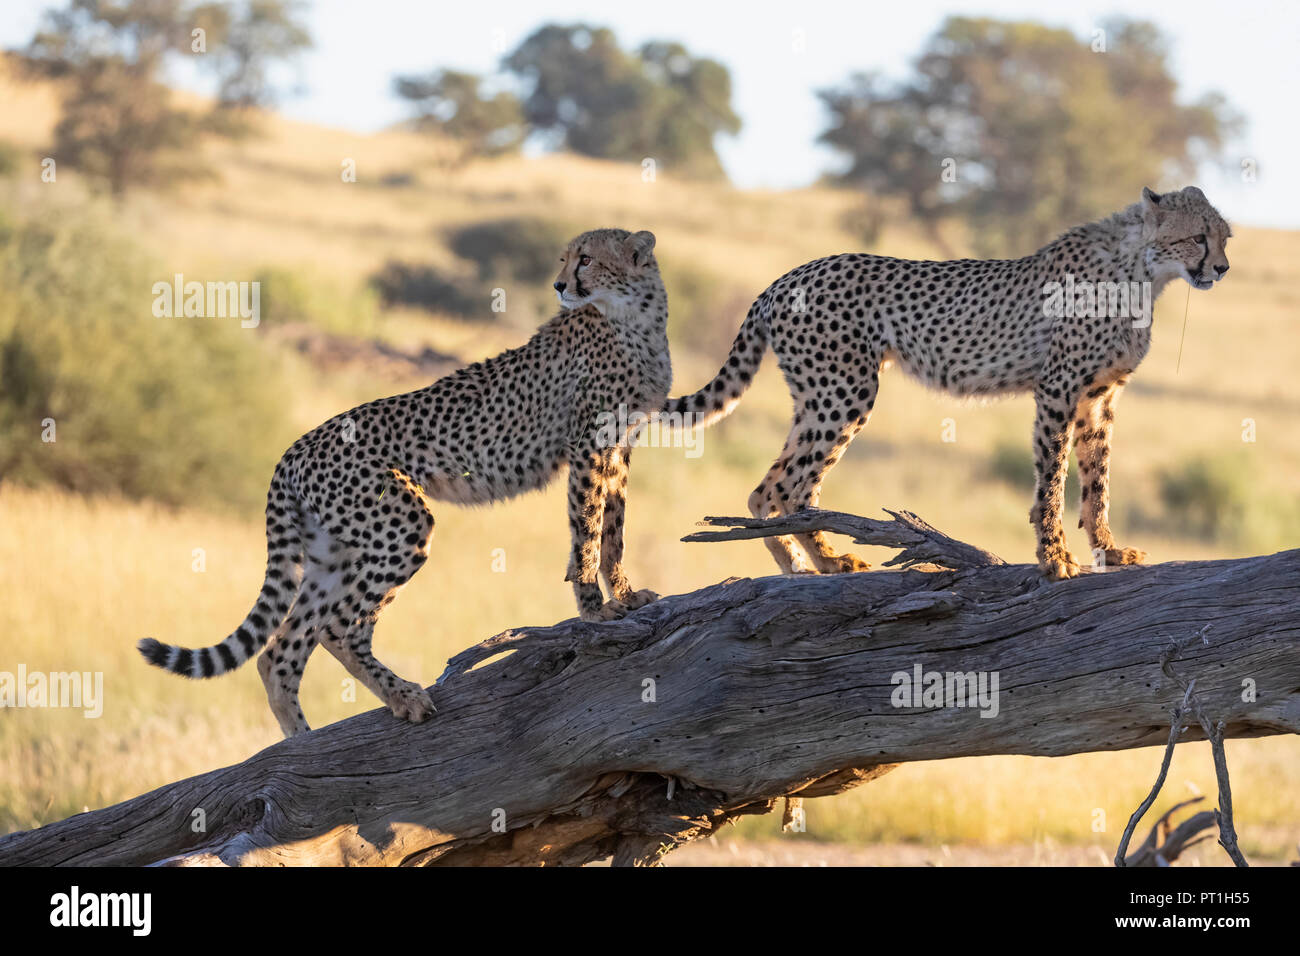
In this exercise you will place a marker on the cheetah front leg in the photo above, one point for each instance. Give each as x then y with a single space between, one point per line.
586 519
1053 427
1094 422
611 535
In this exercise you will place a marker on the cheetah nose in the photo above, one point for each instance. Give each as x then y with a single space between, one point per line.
1221 270
559 287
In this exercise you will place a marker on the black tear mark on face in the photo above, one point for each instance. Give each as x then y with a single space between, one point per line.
1205 253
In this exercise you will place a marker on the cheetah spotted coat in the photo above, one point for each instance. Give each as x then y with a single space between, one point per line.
349 514
971 328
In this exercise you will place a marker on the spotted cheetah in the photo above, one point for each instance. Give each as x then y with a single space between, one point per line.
971 328
349 514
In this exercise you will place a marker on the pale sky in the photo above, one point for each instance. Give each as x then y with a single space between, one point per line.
1249 51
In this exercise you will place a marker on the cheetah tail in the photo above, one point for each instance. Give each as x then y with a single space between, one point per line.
280 588
716 400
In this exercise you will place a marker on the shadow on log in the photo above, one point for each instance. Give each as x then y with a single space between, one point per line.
581 742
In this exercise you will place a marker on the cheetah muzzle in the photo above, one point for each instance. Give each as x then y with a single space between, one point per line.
349 514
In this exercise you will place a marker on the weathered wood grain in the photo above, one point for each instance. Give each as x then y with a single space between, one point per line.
761 688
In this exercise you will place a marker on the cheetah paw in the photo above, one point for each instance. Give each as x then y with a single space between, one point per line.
412 702
635 599
611 610
848 563
1117 556
1058 565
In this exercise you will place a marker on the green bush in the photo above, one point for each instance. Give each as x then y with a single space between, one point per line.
181 410
1206 498
424 287
11 158
523 248
1012 463
1219 500
289 296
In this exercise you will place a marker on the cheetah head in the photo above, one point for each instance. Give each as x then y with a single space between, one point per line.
607 268
1184 237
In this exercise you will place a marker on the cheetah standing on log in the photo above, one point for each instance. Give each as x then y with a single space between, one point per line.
349 515
1069 323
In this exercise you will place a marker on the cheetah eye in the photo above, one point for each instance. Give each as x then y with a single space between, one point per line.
585 261
1201 238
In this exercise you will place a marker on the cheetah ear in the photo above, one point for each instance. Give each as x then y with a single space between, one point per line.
642 244
1151 211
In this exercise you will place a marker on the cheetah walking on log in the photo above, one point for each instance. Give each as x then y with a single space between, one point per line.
1053 323
349 514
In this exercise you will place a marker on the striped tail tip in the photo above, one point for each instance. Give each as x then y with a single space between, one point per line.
197 662
159 654
174 660
155 652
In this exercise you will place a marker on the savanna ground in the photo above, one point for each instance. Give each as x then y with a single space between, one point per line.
83 576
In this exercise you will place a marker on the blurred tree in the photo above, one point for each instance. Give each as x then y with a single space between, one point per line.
245 40
894 140
587 94
693 97
1023 129
456 104
118 120
520 247
594 98
142 408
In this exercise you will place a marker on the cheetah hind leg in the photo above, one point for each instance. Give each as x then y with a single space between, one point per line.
839 563
377 567
285 657
280 667
807 494
827 560
771 499
406 699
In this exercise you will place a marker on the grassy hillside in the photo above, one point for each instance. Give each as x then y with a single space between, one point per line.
83 577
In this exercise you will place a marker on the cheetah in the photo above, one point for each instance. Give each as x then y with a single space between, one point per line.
972 328
349 514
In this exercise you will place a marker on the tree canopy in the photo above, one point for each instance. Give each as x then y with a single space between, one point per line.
119 121
579 90
1022 129
457 104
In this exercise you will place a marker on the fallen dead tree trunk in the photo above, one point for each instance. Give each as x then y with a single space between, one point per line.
623 739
